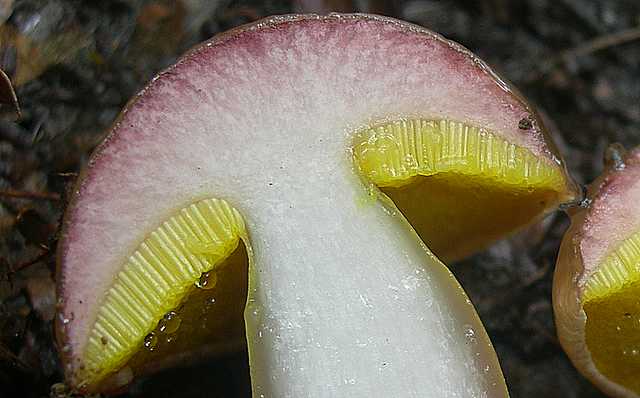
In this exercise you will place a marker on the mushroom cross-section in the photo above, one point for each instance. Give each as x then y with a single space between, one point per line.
274 135
597 280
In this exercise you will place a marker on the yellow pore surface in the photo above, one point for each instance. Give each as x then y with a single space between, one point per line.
612 304
185 285
460 186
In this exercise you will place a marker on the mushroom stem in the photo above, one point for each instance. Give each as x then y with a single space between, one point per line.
358 308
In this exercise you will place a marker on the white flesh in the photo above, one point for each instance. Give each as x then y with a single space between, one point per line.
345 300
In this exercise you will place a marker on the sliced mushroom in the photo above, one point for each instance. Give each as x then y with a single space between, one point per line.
275 135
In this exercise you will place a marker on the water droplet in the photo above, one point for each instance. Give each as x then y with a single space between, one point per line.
410 162
377 149
210 301
151 341
411 283
169 323
469 333
207 280
627 315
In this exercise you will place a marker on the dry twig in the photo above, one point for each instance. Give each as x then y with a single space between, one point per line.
592 46
42 256
601 43
8 100
10 193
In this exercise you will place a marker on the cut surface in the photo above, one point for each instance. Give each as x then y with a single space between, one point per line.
597 281
613 315
619 270
210 320
343 299
184 251
461 187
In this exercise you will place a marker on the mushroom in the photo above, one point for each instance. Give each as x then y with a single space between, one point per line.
596 282
290 139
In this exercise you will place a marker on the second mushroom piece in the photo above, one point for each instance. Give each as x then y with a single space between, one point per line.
597 280
300 144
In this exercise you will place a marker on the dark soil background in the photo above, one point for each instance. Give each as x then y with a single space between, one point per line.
75 63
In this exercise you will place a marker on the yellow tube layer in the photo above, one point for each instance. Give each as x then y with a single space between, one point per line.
156 279
461 186
612 305
392 154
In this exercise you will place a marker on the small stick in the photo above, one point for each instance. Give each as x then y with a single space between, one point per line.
602 42
8 97
45 252
6 354
586 48
10 193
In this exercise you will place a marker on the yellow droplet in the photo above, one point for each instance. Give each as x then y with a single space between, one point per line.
169 323
207 280
151 341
